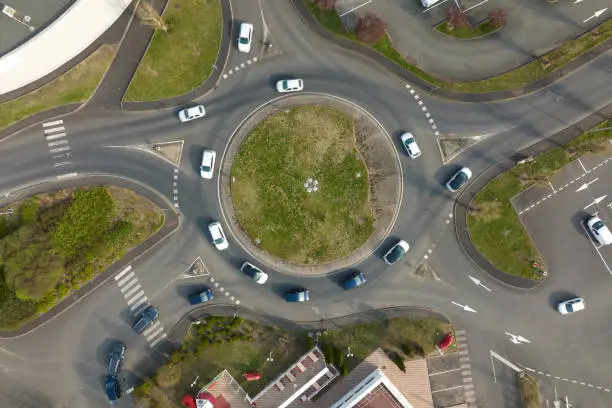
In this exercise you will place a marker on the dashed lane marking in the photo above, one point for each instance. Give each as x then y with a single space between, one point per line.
556 377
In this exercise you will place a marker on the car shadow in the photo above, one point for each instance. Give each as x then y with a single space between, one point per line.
194 155
579 222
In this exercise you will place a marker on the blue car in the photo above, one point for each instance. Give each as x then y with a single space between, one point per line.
297 295
112 388
146 318
201 297
354 280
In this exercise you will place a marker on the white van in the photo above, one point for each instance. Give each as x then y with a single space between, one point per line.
428 3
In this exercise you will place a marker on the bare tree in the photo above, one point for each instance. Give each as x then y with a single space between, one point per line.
149 16
498 17
456 19
326 4
370 28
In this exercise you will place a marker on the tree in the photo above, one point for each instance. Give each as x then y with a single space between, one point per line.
370 28
326 4
498 17
456 19
147 15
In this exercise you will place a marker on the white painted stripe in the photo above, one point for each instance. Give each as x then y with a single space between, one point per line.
466 373
459 332
151 328
160 338
462 346
67 175
447 389
54 130
468 386
59 149
463 353
506 362
467 380
444 372
469 393
464 359
123 272
55 136
129 285
55 122
127 278
155 333
59 142
139 306
464 366
136 296
132 291
61 164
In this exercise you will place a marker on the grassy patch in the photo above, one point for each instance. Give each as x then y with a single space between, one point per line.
182 58
270 201
530 396
239 345
484 28
74 86
55 242
516 78
495 228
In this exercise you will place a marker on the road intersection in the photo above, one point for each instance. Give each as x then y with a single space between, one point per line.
64 357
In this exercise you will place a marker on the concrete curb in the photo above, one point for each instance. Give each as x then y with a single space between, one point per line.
171 225
463 201
406 75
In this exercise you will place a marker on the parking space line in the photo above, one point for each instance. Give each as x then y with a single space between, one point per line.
449 388
445 371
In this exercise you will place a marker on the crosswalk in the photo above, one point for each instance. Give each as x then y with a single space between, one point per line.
466 371
59 147
134 296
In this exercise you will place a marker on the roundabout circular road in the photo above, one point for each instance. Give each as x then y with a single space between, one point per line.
66 357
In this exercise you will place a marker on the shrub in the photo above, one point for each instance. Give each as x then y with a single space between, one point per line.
338 357
143 389
62 291
498 17
328 352
399 361
28 212
419 350
168 375
326 4
310 343
370 28
344 369
408 351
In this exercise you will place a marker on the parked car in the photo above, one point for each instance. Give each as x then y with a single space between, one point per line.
355 279
207 167
599 231
192 113
290 85
218 236
428 3
571 305
459 179
111 385
254 273
410 144
117 354
148 316
297 295
245 37
201 296
396 252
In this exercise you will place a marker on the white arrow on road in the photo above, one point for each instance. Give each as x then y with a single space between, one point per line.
477 282
596 14
465 308
596 201
517 339
578 1
585 185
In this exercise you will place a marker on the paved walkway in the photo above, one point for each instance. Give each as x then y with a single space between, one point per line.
57 44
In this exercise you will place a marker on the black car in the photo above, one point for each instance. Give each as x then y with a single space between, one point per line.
354 280
146 318
201 296
117 354
111 385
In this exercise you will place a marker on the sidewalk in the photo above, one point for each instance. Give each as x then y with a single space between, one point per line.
57 44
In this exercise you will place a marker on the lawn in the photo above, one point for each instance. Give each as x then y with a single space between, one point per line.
53 243
271 203
530 396
515 78
75 86
240 345
486 27
495 228
181 59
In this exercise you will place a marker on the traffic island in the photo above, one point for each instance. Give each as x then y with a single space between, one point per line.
310 184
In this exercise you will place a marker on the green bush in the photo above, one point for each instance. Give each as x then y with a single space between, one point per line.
168 375
338 357
46 303
399 361
28 212
62 291
143 389
408 351
344 370
310 343
328 352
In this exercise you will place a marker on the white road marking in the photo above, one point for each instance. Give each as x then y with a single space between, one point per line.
127 278
160 338
67 175
155 333
503 360
59 149
447 389
61 164
135 298
129 285
141 303
59 142
54 130
445 371
55 136
55 122
151 328
354 8
132 291
123 272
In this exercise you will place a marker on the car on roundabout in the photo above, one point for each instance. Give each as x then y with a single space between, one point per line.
207 167
111 386
189 114
201 296
397 252
254 273
245 37
116 356
354 280
410 144
571 305
599 231
297 295
459 179
218 236
289 85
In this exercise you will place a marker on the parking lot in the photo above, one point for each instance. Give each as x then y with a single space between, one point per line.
553 213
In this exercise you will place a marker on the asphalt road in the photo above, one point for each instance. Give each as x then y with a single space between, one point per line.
66 358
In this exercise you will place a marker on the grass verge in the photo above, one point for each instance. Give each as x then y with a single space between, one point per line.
271 203
530 396
53 243
75 86
181 59
495 228
486 27
240 345
515 78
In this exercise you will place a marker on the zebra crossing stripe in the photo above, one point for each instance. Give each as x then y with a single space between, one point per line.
129 285
135 298
55 122
160 338
127 278
123 272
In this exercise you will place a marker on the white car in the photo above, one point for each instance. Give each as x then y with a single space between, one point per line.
189 114
410 144
459 179
397 252
599 230
571 305
207 167
217 235
254 273
290 85
245 37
